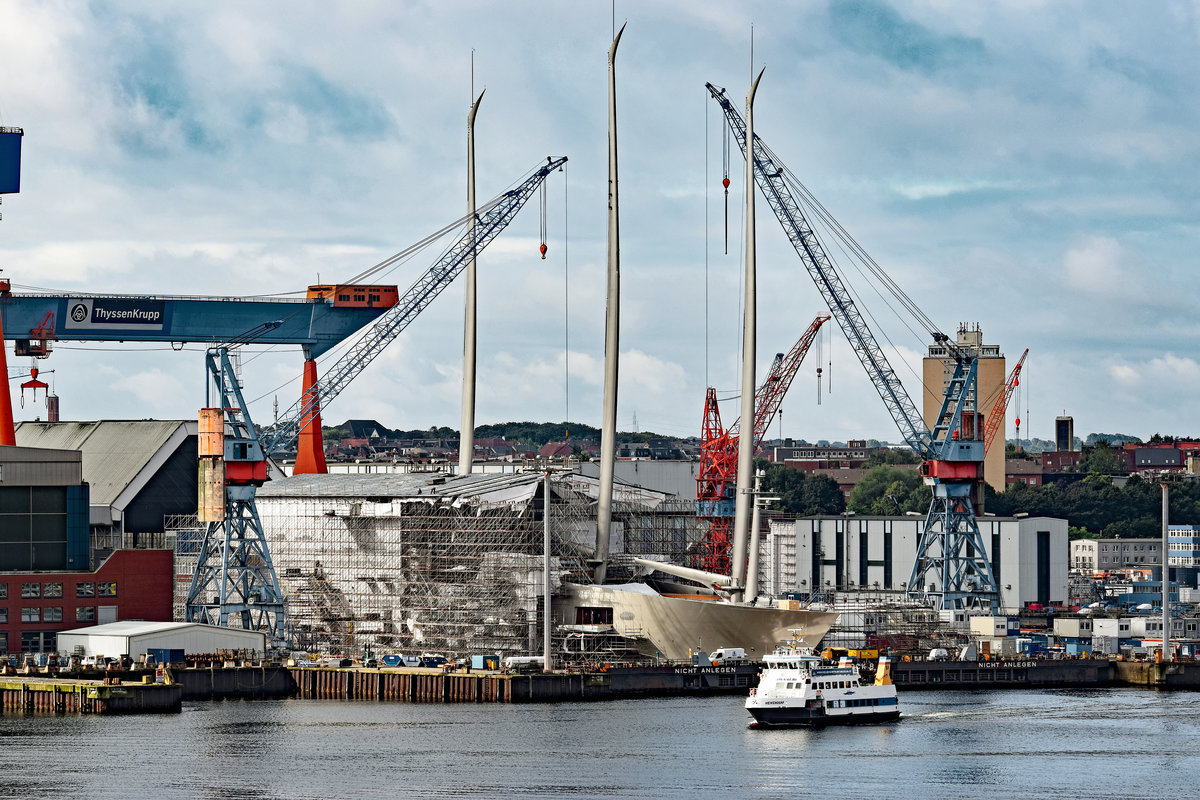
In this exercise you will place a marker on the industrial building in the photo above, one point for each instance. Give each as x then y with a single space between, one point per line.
137 473
433 562
47 583
1103 555
848 553
136 637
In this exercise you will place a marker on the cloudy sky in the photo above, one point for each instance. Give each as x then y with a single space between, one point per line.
1026 166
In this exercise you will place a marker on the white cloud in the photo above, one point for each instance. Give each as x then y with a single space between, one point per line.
1101 266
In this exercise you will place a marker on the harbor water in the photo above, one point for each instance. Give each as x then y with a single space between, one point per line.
1110 743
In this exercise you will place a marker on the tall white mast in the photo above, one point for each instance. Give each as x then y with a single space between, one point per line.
466 438
612 322
741 516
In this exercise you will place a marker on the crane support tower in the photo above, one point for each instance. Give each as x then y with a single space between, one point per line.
719 451
235 578
950 569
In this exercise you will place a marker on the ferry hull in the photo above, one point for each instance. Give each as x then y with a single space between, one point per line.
781 717
674 627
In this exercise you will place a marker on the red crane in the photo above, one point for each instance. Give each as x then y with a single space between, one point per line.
996 417
719 452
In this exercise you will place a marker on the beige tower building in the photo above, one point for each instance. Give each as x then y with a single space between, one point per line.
936 370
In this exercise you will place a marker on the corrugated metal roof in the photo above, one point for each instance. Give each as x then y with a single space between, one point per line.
137 627
114 451
396 485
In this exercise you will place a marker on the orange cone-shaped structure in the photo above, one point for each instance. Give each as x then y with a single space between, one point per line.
8 434
310 448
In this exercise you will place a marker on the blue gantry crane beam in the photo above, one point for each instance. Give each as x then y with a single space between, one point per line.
318 322
951 569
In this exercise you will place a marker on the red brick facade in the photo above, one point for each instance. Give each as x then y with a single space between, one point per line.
35 606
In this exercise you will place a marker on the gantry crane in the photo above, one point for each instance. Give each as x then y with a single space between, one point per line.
951 569
235 575
719 451
995 418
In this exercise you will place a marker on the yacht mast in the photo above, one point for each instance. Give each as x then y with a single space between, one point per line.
741 516
612 323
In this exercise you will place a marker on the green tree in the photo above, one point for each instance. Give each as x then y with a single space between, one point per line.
884 487
801 493
1102 459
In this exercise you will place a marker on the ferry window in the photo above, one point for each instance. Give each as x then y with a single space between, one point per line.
106 589
53 614
373 297
31 590
85 589
52 589
85 614
343 297
31 615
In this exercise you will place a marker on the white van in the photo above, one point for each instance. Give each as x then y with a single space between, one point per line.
728 655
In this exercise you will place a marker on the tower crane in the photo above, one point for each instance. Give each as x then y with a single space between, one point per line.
235 575
950 569
995 418
719 451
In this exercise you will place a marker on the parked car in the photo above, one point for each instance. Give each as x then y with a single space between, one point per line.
432 660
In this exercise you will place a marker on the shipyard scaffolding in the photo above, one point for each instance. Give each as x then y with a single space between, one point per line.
428 562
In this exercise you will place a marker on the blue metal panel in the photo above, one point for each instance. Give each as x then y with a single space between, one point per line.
317 323
78 534
10 160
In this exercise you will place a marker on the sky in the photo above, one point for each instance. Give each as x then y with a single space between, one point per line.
1025 166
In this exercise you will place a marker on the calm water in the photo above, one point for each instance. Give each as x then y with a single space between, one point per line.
1075 744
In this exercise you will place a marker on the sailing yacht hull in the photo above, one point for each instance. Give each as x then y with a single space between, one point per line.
675 627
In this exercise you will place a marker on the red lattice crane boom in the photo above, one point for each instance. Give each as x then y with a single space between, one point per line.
719 451
995 418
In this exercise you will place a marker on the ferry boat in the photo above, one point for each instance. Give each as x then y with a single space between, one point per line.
798 688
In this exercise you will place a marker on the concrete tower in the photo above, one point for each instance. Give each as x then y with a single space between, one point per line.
936 369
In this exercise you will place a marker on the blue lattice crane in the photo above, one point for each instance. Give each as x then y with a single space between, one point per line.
951 568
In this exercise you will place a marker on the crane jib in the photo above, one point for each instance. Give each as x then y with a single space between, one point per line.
423 292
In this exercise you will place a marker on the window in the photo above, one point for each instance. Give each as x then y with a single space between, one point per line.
87 589
3 591
52 614
85 614
31 590
106 589
31 615
3 644
590 615
3 616
52 589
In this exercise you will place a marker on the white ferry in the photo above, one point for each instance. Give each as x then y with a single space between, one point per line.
797 688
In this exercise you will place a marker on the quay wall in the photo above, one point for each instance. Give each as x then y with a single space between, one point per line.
39 696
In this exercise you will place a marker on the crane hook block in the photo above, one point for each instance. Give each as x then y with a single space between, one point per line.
725 183
542 249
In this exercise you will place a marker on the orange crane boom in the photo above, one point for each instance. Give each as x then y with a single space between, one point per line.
996 417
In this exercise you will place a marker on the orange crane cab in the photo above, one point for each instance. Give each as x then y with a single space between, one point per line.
351 295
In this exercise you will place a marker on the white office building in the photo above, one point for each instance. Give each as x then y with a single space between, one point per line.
852 553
